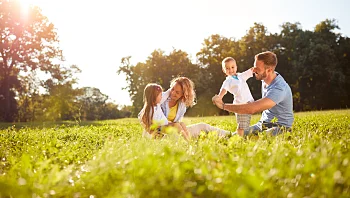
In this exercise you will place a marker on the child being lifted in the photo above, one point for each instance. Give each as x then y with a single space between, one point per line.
236 84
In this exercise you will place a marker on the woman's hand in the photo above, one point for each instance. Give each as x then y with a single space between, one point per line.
186 135
181 127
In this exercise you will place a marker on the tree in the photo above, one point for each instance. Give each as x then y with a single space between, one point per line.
343 54
314 63
28 43
60 103
29 99
92 103
255 41
322 71
158 68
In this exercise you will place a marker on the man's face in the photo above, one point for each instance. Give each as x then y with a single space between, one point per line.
259 70
176 92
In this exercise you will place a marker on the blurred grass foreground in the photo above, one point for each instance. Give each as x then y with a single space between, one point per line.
111 159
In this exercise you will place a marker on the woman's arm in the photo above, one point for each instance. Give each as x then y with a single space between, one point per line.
181 127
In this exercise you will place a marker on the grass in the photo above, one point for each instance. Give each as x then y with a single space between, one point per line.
111 159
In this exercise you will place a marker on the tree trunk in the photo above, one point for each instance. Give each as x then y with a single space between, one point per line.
8 110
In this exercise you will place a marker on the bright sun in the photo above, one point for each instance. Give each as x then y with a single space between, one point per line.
25 5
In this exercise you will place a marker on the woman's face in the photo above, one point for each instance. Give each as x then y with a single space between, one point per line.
176 92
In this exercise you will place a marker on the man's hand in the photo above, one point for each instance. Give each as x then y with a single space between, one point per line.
217 101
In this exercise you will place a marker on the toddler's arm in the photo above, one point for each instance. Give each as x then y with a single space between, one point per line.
222 93
247 74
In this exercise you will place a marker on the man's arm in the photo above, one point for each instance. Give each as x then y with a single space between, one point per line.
249 108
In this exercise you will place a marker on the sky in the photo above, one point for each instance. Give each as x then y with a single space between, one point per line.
95 35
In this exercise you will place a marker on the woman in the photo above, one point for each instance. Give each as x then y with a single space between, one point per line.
180 97
151 117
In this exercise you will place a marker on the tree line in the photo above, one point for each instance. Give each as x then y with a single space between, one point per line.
29 50
314 63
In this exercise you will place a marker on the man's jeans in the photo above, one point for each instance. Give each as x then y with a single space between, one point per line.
272 128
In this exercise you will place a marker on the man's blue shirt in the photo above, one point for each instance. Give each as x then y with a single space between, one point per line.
280 92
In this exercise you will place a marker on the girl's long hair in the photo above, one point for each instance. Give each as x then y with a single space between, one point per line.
150 94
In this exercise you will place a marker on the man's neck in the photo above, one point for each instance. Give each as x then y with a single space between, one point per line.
268 80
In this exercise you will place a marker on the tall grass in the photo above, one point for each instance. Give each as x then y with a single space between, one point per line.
111 159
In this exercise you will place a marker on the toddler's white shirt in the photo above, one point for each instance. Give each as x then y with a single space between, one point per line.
238 86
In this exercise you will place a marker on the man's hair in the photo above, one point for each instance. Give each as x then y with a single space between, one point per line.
226 60
269 58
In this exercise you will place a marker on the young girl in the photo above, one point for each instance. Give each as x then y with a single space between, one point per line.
152 117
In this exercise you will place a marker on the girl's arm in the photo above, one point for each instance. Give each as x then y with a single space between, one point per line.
165 96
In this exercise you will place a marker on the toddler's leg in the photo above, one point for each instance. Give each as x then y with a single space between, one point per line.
240 132
243 122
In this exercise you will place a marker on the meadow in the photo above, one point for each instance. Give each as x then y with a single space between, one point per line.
111 159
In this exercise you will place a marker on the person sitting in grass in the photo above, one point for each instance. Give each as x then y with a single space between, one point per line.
181 97
276 103
152 117
154 121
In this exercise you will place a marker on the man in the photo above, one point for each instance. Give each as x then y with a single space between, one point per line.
276 103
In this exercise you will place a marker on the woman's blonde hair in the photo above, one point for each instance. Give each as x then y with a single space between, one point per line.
150 94
187 86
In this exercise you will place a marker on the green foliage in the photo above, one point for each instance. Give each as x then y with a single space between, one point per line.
111 159
28 43
29 47
158 68
314 63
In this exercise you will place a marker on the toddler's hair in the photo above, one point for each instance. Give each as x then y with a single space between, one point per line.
226 60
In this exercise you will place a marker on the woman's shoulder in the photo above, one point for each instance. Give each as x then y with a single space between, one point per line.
181 105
